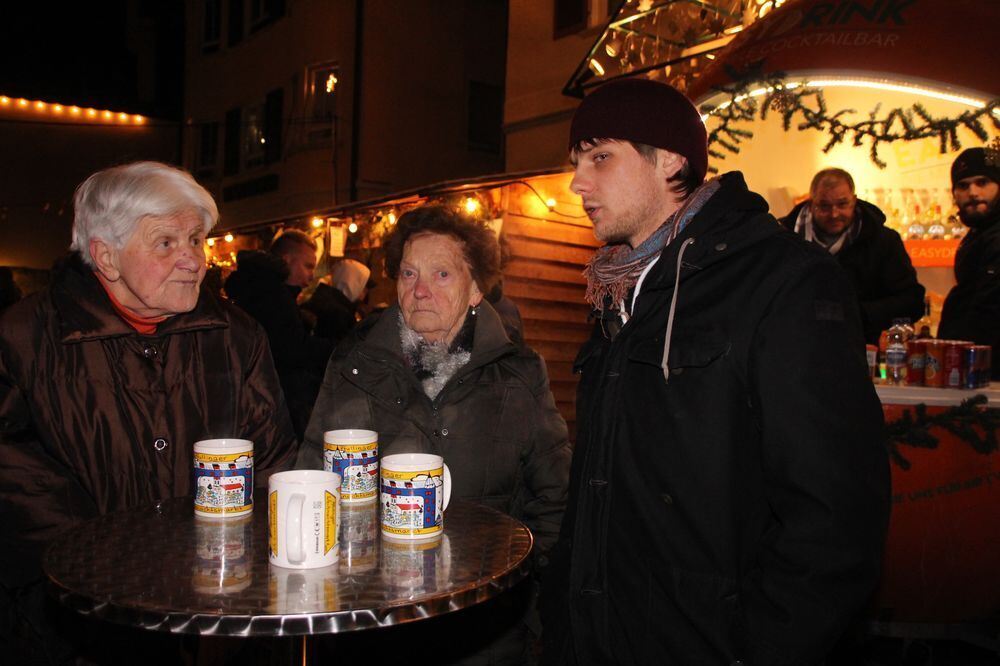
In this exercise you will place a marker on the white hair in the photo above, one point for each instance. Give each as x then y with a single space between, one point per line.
110 203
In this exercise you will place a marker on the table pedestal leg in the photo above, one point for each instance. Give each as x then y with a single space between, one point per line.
301 652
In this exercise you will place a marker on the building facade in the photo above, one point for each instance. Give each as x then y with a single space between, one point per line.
295 106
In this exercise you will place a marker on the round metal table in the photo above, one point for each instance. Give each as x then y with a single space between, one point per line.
161 569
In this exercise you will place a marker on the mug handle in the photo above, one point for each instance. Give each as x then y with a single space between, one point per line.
293 529
447 486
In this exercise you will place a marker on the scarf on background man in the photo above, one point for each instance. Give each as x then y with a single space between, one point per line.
833 244
614 269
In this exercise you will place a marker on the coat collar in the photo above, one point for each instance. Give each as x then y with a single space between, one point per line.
733 220
86 313
490 341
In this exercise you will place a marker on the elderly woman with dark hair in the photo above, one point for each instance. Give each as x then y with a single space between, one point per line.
436 373
108 377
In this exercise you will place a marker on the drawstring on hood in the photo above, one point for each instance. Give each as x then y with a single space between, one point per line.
665 364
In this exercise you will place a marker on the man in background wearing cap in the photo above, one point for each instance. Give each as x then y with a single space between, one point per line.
730 486
972 309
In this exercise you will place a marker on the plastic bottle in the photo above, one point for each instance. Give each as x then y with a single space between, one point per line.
895 353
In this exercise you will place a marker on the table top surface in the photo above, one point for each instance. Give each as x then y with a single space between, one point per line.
934 397
161 568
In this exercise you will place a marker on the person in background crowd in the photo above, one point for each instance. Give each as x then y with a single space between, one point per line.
509 313
972 308
873 255
729 495
336 298
109 376
10 293
266 285
436 373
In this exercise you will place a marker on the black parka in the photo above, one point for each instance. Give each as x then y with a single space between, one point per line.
972 309
880 271
738 511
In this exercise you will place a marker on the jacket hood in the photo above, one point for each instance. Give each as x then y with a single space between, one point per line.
350 277
734 219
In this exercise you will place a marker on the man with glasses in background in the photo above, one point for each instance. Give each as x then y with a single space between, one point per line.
872 254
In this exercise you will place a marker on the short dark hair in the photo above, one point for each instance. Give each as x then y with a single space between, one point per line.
479 246
284 243
830 175
683 183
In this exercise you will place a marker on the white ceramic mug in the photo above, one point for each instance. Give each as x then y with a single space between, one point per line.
353 454
303 518
223 477
415 491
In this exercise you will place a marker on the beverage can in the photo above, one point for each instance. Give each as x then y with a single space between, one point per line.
916 355
954 368
934 363
987 360
972 364
979 366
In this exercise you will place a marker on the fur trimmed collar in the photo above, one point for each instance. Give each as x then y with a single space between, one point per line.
434 363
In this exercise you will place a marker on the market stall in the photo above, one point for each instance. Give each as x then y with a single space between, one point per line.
942 550
888 91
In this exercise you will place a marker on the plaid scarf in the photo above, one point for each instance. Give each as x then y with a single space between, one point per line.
614 269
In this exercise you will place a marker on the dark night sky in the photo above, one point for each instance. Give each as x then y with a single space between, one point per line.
78 53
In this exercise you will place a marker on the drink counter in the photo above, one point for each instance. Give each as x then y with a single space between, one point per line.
942 559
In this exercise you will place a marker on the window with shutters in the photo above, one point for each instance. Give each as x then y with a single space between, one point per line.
322 80
234 32
211 24
231 163
207 156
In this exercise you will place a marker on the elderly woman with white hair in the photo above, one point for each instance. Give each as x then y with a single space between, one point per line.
108 377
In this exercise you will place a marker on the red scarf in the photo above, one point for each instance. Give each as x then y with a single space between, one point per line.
143 325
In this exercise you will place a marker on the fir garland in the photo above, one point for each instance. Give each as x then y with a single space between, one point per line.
795 101
965 421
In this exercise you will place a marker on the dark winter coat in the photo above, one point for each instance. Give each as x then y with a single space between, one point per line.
972 309
738 511
880 271
495 422
335 313
95 417
258 286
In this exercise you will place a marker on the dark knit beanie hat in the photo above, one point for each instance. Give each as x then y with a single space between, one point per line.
646 112
974 162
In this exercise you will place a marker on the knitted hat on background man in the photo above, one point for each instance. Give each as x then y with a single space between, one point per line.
974 162
646 112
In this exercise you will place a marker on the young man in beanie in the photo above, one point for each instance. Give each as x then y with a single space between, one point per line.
972 309
730 486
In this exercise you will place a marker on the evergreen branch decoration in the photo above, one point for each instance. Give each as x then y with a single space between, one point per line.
964 421
797 102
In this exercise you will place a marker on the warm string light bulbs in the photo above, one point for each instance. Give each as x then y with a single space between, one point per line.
39 108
